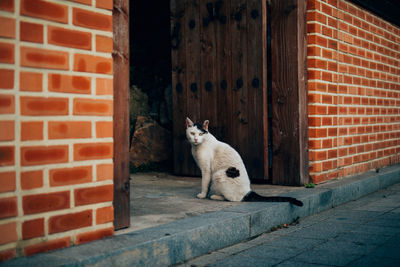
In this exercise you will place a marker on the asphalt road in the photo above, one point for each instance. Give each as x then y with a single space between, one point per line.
365 232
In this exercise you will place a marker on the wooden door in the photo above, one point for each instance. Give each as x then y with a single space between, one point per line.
219 74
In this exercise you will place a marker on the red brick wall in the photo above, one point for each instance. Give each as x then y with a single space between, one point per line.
353 85
56 138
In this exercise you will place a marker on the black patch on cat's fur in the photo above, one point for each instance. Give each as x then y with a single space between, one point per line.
254 197
232 172
200 127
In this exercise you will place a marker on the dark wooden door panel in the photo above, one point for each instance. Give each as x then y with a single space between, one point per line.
219 74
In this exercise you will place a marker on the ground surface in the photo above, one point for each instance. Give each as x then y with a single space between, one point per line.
365 232
158 198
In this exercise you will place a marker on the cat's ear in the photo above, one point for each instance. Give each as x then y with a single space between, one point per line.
189 123
205 125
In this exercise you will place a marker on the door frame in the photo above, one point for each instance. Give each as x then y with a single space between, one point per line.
120 56
298 72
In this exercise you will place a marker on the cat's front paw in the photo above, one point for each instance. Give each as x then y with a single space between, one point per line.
201 195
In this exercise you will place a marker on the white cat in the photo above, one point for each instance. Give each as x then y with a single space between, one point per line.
223 168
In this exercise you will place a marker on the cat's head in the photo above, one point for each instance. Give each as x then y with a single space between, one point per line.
195 132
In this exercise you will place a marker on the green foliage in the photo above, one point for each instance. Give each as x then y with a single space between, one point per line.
310 185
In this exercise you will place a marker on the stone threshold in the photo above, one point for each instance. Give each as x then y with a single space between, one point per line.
184 239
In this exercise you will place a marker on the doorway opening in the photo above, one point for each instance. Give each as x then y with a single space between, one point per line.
150 86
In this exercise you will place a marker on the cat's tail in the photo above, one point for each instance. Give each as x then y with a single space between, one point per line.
254 197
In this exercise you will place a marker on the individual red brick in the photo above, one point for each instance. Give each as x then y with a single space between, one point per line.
6 79
8 208
33 228
31 179
317 155
31 32
94 64
69 38
105 172
314 28
91 195
317 110
47 246
7 28
317 132
7 132
40 155
316 16
69 84
70 176
44 10
104 129
106 4
317 63
104 44
31 130
104 86
44 58
92 20
9 253
94 235
42 106
105 215
314 144
8 233
30 81
66 222
7 5
317 40
69 129
6 155
40 203
7 181
314 121
91 107
7 53
315 167
93 151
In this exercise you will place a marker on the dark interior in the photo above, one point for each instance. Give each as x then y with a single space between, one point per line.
150 59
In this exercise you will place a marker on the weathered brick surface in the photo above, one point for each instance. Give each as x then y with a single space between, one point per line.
40 203
56 87
70 176
33 228
353 83
85 196
47 246
94 235
6 79
62 223
7 181
31 179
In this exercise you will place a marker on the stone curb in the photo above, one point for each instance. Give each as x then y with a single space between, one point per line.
185 239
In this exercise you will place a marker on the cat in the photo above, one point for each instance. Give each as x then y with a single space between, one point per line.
222 169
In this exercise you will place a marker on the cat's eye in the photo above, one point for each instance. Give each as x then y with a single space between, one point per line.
192 133
200 134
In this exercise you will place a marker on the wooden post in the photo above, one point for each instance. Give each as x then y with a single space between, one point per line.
289 92
121 114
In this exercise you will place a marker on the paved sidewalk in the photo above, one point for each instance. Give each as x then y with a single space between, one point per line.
365 232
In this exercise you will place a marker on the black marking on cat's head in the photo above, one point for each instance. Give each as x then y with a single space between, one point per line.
200 127
232 172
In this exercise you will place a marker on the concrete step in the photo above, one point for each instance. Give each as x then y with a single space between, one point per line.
175 242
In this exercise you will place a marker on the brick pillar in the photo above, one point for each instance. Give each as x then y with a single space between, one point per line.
56 137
